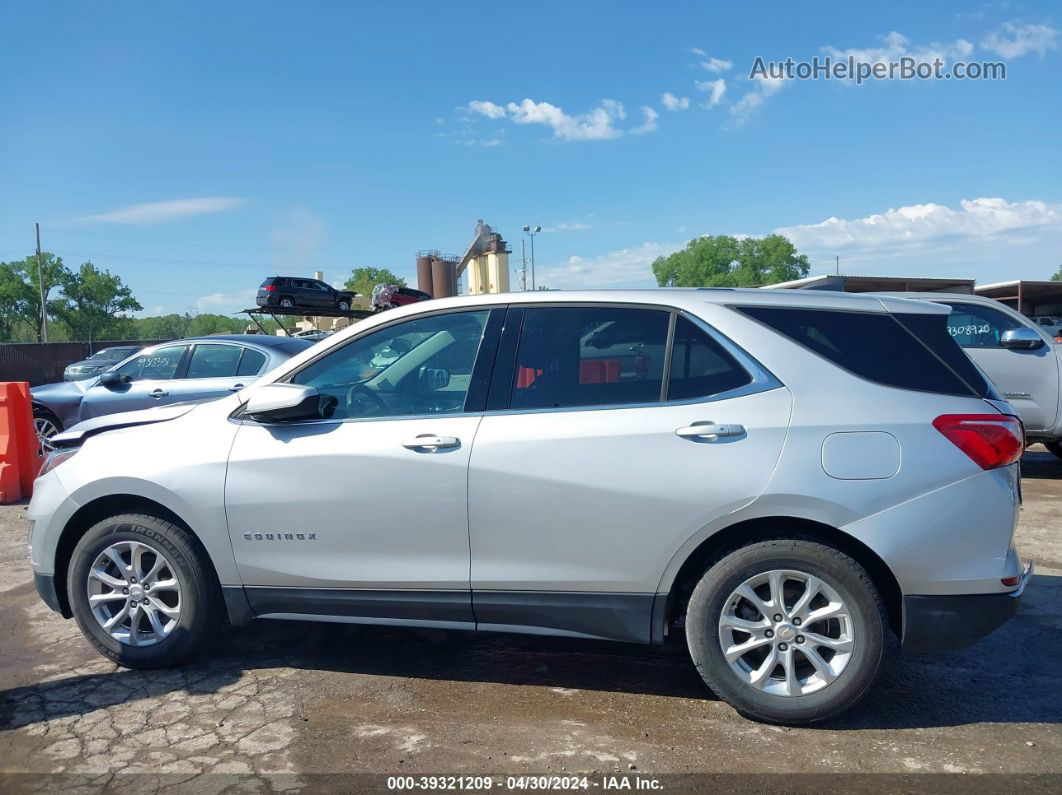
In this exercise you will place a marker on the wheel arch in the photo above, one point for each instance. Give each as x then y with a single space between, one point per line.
85 517
760 529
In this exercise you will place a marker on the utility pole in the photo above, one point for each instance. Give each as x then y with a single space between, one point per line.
523 265
838 265
531 232
40 283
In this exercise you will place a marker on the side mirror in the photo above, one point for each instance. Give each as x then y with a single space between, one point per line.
110 378
433 378
283 403
1023 339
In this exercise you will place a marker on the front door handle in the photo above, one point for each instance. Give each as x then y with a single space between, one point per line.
709 430
430 442
236 387
158 393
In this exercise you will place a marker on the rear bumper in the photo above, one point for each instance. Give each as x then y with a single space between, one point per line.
949 623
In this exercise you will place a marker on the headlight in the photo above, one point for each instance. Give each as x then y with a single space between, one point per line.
55 458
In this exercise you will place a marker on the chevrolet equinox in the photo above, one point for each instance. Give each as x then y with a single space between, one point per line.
778 479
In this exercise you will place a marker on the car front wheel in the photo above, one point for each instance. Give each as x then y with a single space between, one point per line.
46 425
787 630
142 591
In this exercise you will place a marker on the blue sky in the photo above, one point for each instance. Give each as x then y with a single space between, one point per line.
195 148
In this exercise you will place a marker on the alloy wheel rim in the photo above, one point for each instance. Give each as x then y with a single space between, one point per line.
45 429
786 633
134 594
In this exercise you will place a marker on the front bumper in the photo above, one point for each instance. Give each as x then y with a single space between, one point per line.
46 589
949 623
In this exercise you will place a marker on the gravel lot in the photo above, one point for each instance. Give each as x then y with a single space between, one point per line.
275 703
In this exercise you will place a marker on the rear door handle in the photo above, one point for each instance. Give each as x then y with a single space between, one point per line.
158 393
709 430
430 442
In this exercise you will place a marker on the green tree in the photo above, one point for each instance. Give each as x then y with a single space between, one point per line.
362 280
1058 275
725 261
93 304
20 292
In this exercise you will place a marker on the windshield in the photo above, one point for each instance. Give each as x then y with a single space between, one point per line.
110 354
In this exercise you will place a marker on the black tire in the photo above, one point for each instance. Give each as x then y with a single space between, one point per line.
343 306
200 599
287 303
1055 447
841 573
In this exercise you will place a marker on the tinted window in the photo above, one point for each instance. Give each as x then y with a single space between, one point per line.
159 364
214 361
910 351
251 363
589 356
700 366
421 366
975 326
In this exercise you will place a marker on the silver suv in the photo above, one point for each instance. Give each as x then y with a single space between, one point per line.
776 479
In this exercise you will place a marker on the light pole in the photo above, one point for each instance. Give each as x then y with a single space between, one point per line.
531 232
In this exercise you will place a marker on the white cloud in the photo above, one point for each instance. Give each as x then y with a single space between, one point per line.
717 65
990 239
1012 40
567 226
671 102
597 124
160 212
714 88
488 109
763 89
698 51
594 125
649 125
226 303
627 267
895 45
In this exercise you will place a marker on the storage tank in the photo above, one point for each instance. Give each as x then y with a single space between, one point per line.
424 280
443 278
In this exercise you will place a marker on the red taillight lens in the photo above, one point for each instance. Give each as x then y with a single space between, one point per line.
991 440
268 288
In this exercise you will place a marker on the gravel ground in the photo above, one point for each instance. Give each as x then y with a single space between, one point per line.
277 704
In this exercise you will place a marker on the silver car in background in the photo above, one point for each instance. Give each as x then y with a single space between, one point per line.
196 368
778 480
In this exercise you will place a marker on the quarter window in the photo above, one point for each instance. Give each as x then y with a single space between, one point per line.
421 366
700 366
251 363
589 356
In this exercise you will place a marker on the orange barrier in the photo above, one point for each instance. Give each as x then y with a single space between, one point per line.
20 458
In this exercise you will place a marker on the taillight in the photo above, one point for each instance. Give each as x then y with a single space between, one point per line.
991 440
268 288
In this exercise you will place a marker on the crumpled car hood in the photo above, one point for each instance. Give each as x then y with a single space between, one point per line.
126 419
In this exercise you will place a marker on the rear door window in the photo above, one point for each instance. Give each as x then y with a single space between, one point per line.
214 361
909 351
590 356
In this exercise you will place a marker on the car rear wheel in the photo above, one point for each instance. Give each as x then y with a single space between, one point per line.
787 630
142 591
46 425
287 303
1055 447
343 305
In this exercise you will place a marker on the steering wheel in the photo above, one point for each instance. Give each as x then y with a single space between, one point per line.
364 402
